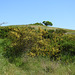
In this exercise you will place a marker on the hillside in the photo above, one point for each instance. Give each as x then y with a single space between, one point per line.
45 27
36 50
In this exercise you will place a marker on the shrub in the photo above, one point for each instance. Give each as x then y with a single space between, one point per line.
40 24
50 31
60 31
23 39
4 31
67 47
39 43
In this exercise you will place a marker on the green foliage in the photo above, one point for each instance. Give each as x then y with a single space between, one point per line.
46 43
67 47
4 31
37 24
50 31
60 31
47 23
24 46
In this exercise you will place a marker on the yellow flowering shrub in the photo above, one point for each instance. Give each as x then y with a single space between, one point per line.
39 42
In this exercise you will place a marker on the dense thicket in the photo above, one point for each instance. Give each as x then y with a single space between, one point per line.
47 43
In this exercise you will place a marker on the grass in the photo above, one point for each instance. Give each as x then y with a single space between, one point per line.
45 27
7 68
43 66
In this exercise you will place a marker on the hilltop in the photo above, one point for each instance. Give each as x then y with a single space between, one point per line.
36 26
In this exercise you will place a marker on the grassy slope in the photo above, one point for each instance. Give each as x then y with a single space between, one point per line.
35 66
46 27
69 31
5 67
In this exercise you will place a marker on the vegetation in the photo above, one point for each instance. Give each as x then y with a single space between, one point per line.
31 51
47 23
37 24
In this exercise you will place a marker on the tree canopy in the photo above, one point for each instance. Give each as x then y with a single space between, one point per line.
47 23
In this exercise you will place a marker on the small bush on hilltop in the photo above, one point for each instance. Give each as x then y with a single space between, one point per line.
40 24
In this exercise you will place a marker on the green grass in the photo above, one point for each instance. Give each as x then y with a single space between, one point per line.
43 27
53 28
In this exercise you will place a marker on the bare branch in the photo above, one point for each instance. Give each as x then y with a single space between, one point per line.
3 23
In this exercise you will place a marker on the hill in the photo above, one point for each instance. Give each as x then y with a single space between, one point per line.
36 26
36 50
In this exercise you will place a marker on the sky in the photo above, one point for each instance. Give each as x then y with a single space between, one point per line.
18 12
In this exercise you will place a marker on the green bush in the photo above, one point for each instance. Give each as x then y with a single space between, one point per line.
47 33
4 31
67 47
60 31
50 31
40 24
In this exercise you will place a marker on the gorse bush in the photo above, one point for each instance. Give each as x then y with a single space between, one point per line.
4 31
47 43
24 39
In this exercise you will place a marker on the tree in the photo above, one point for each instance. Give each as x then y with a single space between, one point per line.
47 23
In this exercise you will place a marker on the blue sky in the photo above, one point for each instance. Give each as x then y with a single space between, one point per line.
60 12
